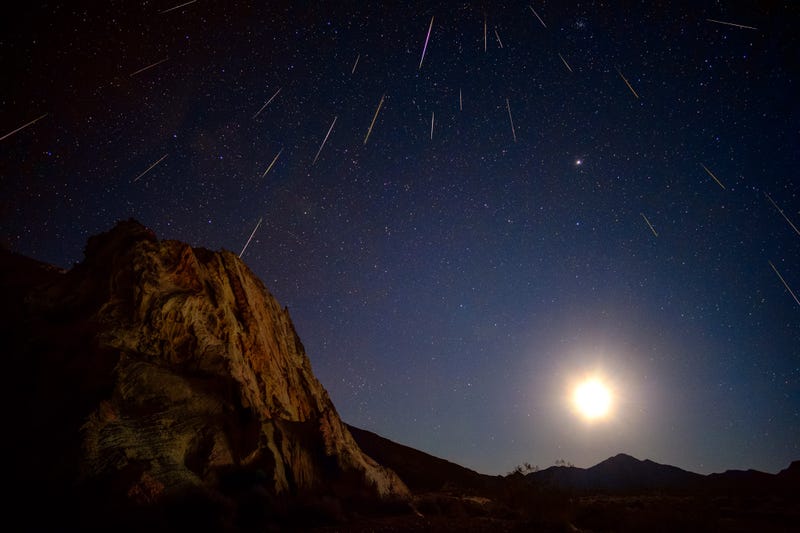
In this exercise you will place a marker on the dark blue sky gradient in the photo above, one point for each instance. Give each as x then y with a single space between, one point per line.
449 290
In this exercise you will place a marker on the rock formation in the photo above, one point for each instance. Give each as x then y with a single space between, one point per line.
154 369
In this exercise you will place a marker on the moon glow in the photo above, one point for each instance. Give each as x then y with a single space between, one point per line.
592 399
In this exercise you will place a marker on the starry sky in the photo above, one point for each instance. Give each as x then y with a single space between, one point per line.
556 190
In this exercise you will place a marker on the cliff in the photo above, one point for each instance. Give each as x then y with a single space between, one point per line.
153 373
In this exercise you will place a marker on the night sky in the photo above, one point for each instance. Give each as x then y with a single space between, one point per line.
451 283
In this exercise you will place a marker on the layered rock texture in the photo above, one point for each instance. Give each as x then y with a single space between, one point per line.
153 370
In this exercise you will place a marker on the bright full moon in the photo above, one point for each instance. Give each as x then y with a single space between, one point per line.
592 399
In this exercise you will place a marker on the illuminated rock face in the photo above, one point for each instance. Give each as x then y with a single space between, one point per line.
186 369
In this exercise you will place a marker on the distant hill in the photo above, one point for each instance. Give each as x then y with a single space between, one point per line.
623 473
420 471
619 473
791 474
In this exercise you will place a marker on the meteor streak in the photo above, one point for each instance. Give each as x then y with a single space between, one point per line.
321 146
272 164
782 213
355 64
251 237
151 167
375 116
498 38
425 48
784 282
268 102
712 175
732 24
514 133
537 16
148 67
484 33
432 115
567 64
649 224
627 83
177 7
31 123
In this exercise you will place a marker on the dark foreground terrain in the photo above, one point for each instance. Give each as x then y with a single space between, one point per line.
619 494
667 513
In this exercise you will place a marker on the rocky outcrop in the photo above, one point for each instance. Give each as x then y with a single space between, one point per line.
163 369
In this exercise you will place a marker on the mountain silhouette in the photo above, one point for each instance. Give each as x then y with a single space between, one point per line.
621 472
419 470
